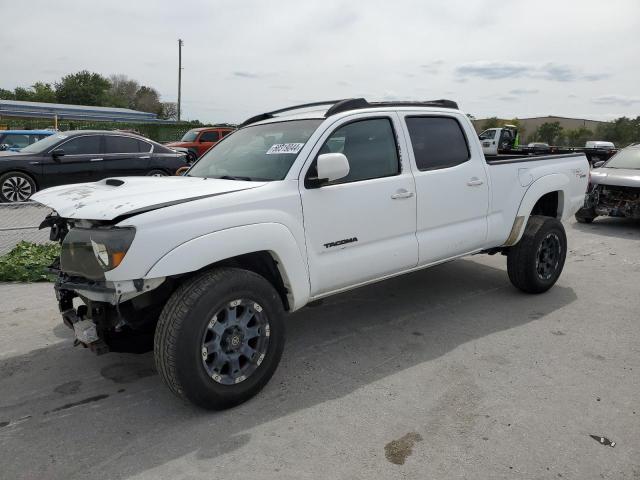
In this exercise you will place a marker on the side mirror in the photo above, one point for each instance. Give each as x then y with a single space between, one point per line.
598 164
57 153
332 166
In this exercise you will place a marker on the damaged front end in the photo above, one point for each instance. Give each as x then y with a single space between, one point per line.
614 201
105 315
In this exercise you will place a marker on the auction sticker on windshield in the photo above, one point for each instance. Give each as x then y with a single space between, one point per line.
278 148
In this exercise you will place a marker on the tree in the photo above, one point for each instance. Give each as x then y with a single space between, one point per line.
577 137
548 132
42 92
6 94
169 111
83 88
622 131
148 100
492 122
122 92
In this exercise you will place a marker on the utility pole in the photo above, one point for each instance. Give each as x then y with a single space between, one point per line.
180 43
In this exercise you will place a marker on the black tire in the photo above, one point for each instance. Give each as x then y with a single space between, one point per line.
156 172
585 215
192 156
186 321
16 187
536 261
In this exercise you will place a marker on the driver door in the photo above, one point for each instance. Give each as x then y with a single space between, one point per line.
81 161
361 227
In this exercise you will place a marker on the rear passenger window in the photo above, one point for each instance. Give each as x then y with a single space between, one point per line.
114 144
144 146
438 142
370 147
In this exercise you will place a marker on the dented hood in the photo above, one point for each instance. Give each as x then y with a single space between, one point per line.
116 197
624 177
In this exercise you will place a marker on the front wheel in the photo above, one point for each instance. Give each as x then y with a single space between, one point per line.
220 337
536 261
16 187
586 215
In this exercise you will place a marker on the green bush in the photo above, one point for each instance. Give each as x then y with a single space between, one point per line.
27 262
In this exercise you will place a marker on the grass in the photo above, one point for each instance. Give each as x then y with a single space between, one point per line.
27 262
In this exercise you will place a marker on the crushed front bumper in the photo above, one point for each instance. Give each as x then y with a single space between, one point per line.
109 312
614 201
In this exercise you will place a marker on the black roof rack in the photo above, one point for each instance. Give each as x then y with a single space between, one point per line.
338 106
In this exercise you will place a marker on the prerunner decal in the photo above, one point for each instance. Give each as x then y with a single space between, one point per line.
278 148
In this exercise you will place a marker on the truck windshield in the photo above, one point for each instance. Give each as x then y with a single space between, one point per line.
487 135
627 158
261 152
190 136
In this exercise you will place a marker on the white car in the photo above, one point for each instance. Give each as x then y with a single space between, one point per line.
296 205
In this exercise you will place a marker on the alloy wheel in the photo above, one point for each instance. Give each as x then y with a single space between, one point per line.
235 341
16 189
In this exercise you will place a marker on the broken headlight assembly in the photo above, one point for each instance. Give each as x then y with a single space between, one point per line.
89 252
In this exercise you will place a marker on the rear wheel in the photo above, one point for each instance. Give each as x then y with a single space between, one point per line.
536 261
16 187
220 337
157 173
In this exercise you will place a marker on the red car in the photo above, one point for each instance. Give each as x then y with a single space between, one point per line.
199 140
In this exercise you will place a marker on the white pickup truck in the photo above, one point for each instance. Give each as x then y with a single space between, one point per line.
296 205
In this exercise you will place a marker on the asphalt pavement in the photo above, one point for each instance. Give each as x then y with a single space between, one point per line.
445 373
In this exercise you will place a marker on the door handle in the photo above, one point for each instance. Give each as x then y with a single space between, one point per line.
96 159
474 182
402 194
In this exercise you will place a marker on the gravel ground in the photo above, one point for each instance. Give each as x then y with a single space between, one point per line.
445 373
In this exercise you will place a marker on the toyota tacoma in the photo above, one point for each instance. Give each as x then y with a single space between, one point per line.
296 205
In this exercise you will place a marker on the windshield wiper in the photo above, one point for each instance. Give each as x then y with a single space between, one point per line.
232 177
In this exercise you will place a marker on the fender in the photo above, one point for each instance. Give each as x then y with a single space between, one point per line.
214 247
546 184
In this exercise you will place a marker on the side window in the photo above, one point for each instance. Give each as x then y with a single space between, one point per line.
116 144
82 146
144 146
16 140
210 136
438 142
226 132
370 147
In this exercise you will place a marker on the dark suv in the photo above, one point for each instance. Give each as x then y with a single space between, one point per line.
82 156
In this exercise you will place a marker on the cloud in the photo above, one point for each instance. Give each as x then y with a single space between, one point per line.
247 75
616 100
432 68
524 91
547 71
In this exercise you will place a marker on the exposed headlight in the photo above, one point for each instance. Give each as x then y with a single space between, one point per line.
89 252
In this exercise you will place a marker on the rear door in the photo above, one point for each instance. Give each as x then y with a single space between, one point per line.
361 227
82 161
451 186
125 156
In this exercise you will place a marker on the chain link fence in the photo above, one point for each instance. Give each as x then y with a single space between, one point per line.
20 221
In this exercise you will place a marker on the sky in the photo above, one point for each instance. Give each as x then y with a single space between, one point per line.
516 58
